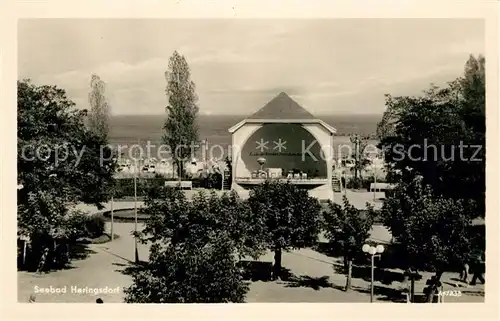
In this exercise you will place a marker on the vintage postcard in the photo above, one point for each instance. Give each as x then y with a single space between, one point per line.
240 157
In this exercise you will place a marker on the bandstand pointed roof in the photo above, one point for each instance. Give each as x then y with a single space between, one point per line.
282 109
282 106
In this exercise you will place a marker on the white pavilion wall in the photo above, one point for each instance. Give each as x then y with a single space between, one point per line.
319 160
291 147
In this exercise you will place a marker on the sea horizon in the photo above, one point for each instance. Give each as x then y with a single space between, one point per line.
142 130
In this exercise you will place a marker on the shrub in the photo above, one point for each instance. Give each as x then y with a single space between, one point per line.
76 225
210 180
125 187
354 183
362 183
95 225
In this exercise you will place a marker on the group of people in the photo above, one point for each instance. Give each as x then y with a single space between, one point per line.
476 268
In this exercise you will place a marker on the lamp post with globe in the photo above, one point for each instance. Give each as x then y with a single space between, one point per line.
374 251
261 161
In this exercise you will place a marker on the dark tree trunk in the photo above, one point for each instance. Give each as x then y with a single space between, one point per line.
412 289
277 264
180 168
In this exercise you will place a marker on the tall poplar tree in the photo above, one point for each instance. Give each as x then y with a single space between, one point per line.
98 116
181 130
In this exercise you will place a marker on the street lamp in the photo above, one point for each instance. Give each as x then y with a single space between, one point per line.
136 169
374 251
375 168
261 161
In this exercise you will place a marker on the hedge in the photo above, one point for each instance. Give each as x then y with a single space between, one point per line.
125 186
362 183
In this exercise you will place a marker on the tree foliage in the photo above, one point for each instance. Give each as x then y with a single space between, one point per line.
435 232
348 228
98 116
175 219
289 217
440 136
181 129
60 163
55 149
435 149
359 154
189 273
195 248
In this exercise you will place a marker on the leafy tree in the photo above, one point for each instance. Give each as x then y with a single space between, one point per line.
181 130
59 163
435 150
32 214
52 228
189 273
195 248
440 136
433 231
290 218
56 151
349 228
358 154
175 219
98 115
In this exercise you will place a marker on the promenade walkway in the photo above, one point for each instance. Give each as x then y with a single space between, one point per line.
320 282
356 198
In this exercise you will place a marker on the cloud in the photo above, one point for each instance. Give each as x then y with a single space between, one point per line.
129 87
223 56
238 65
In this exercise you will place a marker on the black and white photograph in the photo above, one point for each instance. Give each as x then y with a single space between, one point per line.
232 160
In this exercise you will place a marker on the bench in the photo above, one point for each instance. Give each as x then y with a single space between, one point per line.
179 184
381 187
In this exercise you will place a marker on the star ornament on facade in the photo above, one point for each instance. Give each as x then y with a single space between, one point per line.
280 145
262 145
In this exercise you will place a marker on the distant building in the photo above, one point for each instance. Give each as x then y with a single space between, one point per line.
283 141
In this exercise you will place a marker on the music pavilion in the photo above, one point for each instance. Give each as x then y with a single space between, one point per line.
283 141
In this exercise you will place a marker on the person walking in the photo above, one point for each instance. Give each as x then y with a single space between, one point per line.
478 270
464 273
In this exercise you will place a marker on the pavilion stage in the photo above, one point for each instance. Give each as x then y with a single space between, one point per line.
282 141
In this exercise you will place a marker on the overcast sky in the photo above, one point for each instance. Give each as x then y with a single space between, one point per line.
328 66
